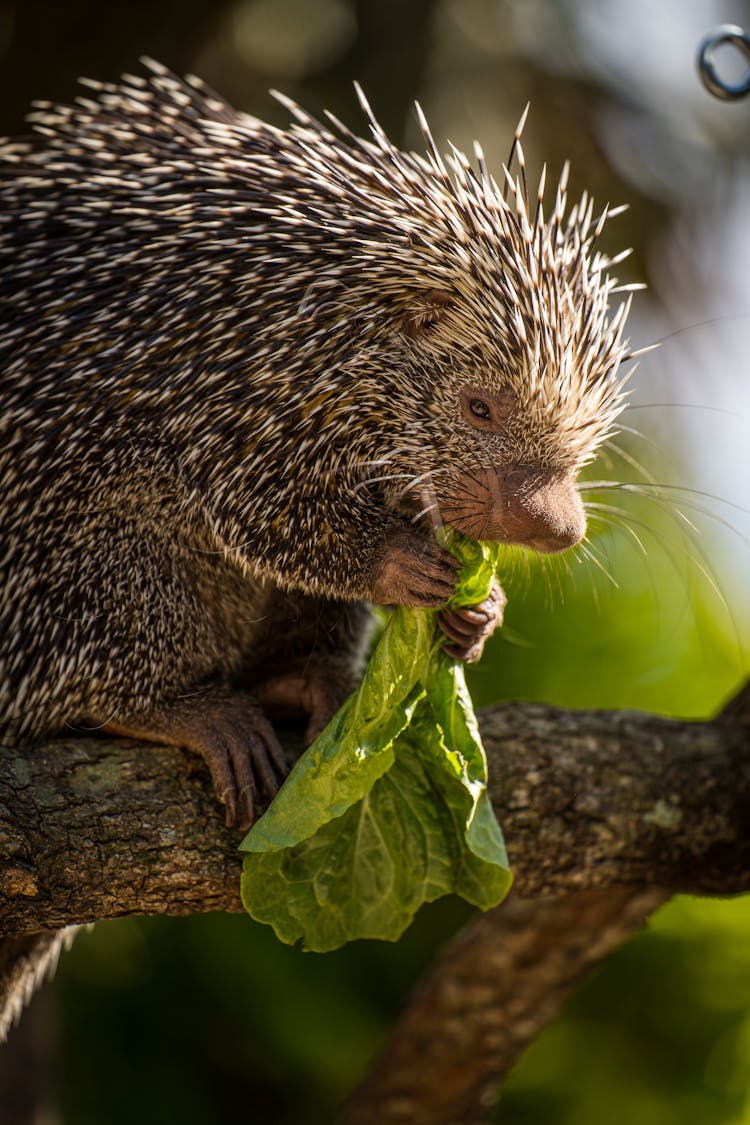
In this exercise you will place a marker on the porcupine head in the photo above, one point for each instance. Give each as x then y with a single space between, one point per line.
471 361
334 338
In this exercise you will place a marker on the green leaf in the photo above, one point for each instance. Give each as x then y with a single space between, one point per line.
356 747
388 808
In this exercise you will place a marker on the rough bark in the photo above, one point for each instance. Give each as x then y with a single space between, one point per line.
95 829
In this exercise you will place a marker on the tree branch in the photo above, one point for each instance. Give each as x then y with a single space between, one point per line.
595 799
496 986
506 976
95 829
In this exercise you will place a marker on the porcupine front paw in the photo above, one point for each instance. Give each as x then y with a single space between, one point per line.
234 738
415 571
469 627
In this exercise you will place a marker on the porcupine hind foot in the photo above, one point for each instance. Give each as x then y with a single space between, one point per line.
236 741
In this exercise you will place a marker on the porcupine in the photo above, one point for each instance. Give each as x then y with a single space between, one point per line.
244 373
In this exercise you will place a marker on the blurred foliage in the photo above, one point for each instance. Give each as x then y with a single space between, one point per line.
658 1036
200 1019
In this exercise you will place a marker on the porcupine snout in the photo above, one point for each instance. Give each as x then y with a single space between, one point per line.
520 504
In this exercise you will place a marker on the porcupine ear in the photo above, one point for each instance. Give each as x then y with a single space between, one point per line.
424 311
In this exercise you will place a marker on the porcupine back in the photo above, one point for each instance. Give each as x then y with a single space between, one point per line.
169 265
155 224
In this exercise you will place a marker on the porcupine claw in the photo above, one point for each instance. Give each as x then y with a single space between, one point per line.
236 741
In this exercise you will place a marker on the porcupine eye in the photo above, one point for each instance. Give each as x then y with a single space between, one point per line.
488 411
479 408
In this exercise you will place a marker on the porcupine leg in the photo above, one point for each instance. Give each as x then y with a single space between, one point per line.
164 636
316 691
312 653
234 738
320 687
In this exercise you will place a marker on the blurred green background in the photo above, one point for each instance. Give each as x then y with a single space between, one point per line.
199 1020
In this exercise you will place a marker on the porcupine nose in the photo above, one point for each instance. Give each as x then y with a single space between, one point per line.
519 504
540 510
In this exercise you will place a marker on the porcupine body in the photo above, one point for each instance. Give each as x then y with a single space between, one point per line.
236 364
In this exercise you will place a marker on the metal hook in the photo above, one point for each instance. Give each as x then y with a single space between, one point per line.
725 33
